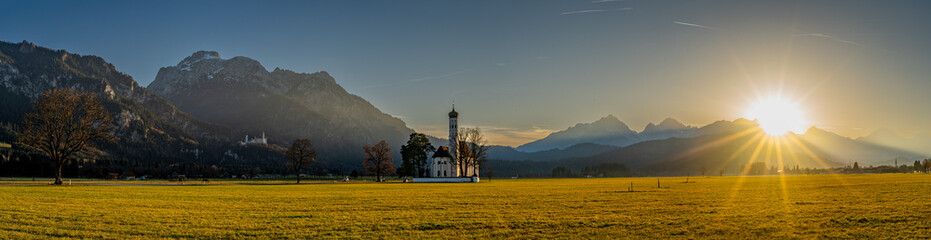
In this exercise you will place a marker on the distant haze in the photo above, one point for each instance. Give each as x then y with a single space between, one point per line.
523 69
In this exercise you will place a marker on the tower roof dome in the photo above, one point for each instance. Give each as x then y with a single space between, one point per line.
453 113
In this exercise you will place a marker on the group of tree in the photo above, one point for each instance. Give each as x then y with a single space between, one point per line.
415 153
923 166
473 150
415 156
560 172
607 170
472 153
65 123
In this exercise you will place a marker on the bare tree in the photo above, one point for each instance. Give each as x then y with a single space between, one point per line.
473 150
301 153
63 123
378 160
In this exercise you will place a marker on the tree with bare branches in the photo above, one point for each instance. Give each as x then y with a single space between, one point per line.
473 151
63 123
301 153
378 160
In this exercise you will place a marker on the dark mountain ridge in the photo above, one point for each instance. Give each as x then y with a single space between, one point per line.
241 94
144 120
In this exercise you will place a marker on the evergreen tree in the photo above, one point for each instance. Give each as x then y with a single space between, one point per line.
414 155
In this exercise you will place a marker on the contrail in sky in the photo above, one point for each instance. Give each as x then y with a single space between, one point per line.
583 11
694 25
829 37
437 76
594 10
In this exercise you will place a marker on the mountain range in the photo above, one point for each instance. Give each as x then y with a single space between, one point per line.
721 145
920 143
193 115
143 119
607 131
197 111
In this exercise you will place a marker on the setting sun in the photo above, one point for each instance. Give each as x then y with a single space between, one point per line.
777 116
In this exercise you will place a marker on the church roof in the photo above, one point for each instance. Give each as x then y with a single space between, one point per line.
441 152
453 114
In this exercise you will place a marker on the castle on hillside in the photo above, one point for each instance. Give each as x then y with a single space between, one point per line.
445 159
255 140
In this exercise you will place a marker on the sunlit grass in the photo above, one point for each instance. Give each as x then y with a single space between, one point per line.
824 206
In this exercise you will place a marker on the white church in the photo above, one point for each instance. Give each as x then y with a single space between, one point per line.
443 167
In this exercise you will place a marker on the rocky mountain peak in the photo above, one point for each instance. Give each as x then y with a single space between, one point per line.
241 94
608 119
668 124
199 56
140 116
610 123
26 47
672 123
206 67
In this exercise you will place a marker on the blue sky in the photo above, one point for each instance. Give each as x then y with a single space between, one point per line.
521 69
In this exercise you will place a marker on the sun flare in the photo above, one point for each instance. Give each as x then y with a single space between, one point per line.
777 116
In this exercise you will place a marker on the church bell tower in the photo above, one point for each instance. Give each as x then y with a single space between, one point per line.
454 134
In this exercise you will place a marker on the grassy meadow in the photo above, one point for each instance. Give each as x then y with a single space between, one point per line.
812 206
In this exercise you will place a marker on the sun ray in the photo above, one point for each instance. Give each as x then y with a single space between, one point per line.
815 157
746 170
809 152
708 146
740 66
791 151
782 177
758 136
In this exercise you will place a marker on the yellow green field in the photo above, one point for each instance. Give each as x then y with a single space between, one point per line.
822 206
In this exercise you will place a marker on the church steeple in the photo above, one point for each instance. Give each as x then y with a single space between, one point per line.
454 133
453 113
